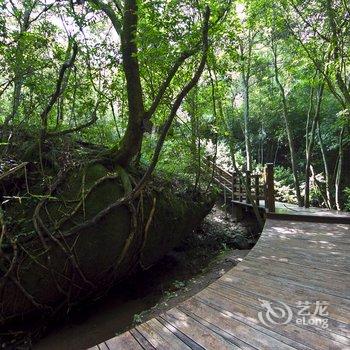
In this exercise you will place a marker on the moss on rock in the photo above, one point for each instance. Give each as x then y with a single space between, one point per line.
73 261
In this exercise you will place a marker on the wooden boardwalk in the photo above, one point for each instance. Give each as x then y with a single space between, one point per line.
295 262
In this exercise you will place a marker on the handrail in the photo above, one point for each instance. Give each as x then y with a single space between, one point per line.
237 185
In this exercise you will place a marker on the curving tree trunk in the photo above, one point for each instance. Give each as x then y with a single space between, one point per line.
132 140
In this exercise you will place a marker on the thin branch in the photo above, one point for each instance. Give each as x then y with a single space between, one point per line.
173 70
171 73
119 6
45 9
58 91
13 170
295 7
316 63
6 85
77 128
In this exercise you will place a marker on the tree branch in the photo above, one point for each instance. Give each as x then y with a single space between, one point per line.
177 103
45 9
77 128
317 63
306 22
171 73
6 85
109 12
58 91
119 6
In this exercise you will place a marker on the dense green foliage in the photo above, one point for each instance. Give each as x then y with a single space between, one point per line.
275 87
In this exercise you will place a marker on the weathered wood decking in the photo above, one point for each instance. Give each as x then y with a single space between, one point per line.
293 261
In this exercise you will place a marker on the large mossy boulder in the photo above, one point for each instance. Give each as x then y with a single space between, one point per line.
70 244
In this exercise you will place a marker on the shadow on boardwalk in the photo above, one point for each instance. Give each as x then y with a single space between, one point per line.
290 292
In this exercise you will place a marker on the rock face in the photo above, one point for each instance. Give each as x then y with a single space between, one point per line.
66 246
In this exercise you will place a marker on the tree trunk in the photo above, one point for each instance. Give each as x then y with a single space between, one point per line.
19 74
288 130
132 140
310 144
245 85
246 58
234 163
326 168
339 170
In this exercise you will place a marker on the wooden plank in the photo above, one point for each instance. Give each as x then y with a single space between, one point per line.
321 261
339 242
248 274
218 168
273 259
244 331
235 342
313 259
270 189
337 326
182 336
316 250
123 341
159 336
249 315
305 230
307 274
248 184
304 253
152 337
244 203
320 286
338 275
256 189
233 188
240 190
338 330
203 336
282 286
141 339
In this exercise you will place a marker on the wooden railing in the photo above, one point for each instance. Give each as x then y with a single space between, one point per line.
245 187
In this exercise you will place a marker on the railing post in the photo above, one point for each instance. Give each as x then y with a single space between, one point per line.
234 180
270 188
240 189
257 194
248 185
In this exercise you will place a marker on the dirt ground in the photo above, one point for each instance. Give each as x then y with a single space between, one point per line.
217 246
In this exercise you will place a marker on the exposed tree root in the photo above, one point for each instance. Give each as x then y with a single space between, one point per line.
55 247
